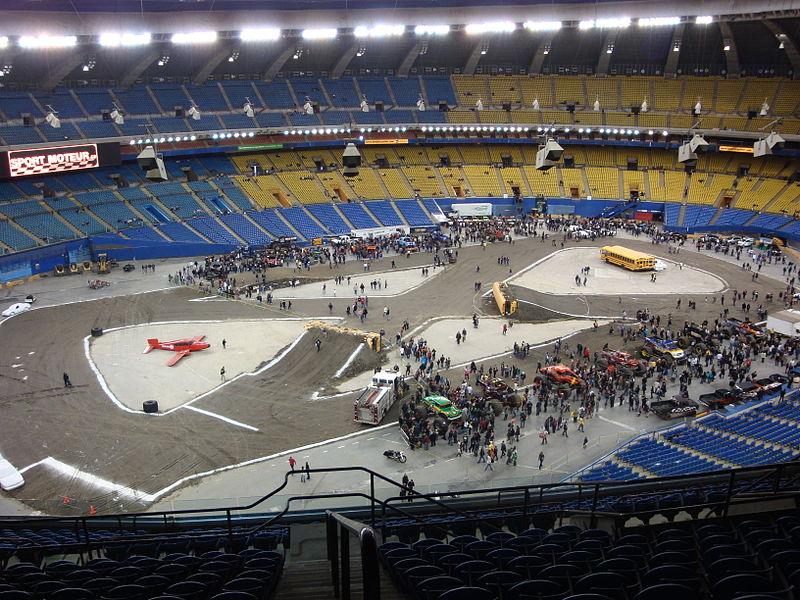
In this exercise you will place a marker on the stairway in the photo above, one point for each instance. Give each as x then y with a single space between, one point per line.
311 580
617 209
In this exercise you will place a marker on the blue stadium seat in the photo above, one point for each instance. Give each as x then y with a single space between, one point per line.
406 90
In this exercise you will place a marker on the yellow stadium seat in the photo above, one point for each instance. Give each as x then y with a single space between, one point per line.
537 88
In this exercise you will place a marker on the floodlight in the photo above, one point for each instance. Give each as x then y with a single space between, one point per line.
308 108
152 164
264 34
351 159
115 40
704 20
379 30
421 104
542 25
764 109
326 33
766 146
548 155
117 116
3 41
644 107
536 104
659 21
494 27
194 112
596 106
196 37
47 41
51 119
432 29
687 152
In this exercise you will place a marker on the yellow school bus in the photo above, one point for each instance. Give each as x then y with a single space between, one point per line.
630 259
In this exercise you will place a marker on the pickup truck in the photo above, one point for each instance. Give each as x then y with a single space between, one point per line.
721 397
676 407
562 374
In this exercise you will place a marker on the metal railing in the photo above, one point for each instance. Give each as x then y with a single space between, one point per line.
339 529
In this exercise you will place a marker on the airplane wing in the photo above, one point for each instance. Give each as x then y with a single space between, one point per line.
199 338
178 355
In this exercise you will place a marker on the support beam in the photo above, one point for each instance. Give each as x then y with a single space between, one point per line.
344 60
731 55
673 57
150 56
274 68
61 70
605 57
538 58
410 58
474 57
788 46
222 54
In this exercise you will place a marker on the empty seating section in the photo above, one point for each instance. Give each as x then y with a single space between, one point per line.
604 90
15 104
233 193
117 214
217 165
368 118
213 230
303 222
396 183
633 91
47 227
208 97
761 427
788 100
727 95
543 182
483 180
98 129
238 93
12 135
308 90
15 238
82 220
342 92
366 184
512 178
733 217
667 95
666 186
423 181
537 88
271 119
385 213
303 186
136 101
414 214
769 221
672 213
603 182
662 460
245 229
788 200
407 91
433 207
708 188
696 90
178 232
439 89
728 448
276 94
330 218
143 233
269 220
260 189
455 184
356 214
18 209
696 215
399 115
170 96
574 186
504 90
336 117
206 123
471 89
374 88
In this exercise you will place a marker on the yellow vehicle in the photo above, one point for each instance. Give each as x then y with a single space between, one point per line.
630 259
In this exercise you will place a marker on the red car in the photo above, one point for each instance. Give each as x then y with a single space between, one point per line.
562 374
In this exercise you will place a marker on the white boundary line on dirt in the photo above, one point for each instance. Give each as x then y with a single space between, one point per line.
214 415
349 361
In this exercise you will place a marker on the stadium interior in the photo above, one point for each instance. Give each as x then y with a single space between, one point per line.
251 129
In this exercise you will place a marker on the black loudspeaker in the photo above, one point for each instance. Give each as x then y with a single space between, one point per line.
189 173
315 106
751 114
27 119
571 108
507 106
443 106
106 115
743 171
635 108
379 106
178 111
633 163
794 177
569 160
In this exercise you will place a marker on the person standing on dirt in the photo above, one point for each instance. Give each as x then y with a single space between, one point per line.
224 344
292 463
67 382
318 344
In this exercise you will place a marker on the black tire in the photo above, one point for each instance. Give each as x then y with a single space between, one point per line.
97 331
440 425
667 358
402 458
601 363
625 371
150 406
683 342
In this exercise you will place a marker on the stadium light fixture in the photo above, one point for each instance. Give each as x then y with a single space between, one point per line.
548 155
117 40
704 20
247 109
542 25
260 34
325 33
47 41
659 21
766 146
195 37
163 60
764 109
52 118
613 23
3 41
116 116
687 152
193 112
492 27
432 29
379 30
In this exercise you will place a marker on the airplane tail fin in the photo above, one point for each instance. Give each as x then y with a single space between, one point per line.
150 345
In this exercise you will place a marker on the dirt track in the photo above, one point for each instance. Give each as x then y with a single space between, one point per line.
83 429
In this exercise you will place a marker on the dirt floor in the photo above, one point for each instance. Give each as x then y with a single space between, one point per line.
62 429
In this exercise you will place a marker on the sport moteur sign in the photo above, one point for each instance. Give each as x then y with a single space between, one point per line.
41 161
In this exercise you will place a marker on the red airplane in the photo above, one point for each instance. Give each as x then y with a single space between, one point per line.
182 347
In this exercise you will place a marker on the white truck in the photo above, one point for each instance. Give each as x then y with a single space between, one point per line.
374 402
785 322
472 209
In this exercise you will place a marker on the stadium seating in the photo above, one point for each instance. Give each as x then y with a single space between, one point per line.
356 214
245 229
212 229
304 223
385 213
178 232
329 217
407 91
272 223
15 238
412 212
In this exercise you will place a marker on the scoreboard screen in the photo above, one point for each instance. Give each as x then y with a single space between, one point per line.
58 159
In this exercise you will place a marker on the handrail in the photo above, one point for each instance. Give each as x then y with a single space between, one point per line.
339 556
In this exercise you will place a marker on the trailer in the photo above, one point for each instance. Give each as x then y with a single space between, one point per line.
374 402
785 322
